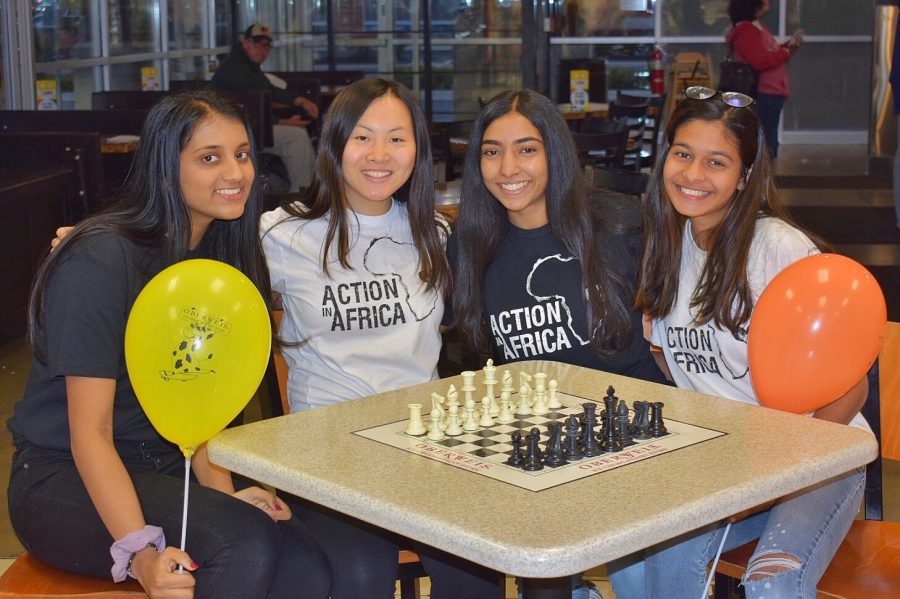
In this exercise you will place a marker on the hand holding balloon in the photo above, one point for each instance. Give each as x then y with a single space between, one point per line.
814 333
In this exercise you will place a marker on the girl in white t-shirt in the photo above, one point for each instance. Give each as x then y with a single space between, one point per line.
716 234
361 270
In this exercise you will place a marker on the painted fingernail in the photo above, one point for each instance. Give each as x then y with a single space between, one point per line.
278 506
195 566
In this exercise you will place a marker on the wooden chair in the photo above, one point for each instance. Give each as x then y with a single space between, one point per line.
867 564
410 567
602 149
635 117
29 578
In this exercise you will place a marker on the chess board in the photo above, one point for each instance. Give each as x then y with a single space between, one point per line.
486 450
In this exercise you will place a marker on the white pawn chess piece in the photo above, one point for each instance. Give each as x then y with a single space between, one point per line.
524 407
486 419
434 432
540 402
416 426
453 429
471 423
506 416
552 399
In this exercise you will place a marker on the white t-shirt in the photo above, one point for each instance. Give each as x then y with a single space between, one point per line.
709 359
369 329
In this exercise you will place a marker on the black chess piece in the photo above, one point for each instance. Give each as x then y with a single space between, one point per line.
609 440
555 457
589 445
623 427
657 426
515 457
534 458
640 428
572 451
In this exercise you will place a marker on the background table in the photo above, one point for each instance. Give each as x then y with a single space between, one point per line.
560 531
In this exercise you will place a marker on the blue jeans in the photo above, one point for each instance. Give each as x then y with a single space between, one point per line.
242 552
801 533
768 109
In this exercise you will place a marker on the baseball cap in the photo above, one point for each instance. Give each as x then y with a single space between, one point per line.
257 31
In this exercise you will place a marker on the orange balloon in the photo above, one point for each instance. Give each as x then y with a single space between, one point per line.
815 331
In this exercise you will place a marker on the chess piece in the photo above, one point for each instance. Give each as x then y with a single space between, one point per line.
468 386
515 456
552 400
506 382
524 407
609 439
453 429
434 431
490 379
572 451
437 403
486 419
416 426
623 427
640 425
471 423
589 445
657 426
540 401
506 416
534 458
525 381
555 457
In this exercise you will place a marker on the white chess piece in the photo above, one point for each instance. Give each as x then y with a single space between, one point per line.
540 402
434 432
452 397
471 423
506 382
468 385
552 400
506 416
490 379
416 426
437 403
453 429
524 407
486 419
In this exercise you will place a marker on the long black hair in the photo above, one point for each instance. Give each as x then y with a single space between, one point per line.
723 292
325 196
743 10
483 222
150 210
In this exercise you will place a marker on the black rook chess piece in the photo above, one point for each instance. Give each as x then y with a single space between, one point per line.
657 426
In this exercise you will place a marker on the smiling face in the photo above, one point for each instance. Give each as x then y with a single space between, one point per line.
216 173
514 169
702 173
379 156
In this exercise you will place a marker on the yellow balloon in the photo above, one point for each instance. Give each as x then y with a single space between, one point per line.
197 345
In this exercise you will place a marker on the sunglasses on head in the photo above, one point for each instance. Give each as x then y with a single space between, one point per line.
736 99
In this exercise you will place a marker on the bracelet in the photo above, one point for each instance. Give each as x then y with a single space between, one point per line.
123 550
131 559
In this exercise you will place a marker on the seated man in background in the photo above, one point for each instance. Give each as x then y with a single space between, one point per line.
241 71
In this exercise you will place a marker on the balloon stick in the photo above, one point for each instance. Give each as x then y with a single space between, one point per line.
184 510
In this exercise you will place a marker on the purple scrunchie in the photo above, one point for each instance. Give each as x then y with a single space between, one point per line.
133 542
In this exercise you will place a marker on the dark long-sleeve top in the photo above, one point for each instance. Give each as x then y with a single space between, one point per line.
238 73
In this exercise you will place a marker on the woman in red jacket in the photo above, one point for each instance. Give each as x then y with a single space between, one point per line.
753 43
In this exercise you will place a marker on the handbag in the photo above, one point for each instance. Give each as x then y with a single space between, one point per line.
737 76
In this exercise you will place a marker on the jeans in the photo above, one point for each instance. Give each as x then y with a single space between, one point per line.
241 551
798 536
768 109
294 147
364 560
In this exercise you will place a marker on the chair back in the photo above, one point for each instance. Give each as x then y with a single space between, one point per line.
601 149
620 180
127 99
635 116
187 85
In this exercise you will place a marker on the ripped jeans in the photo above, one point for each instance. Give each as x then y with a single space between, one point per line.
797 539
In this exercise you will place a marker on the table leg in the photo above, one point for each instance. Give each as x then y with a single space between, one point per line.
547 588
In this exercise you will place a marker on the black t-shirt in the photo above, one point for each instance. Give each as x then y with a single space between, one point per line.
534 303
87 300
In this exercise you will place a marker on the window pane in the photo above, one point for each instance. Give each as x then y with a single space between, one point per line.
186 22
603 17
695 17
127 75
74 87
133 28
63 30
224 35
831 17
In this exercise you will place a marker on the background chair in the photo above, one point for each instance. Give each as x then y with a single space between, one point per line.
655 113
602 149
635 117
620 180
867 564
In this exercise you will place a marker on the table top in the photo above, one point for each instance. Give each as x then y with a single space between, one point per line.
558 531
596 109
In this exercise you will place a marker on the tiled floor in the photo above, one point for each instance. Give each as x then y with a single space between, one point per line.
795 160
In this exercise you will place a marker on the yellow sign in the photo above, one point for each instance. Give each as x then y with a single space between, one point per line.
579 83
149 79
47 94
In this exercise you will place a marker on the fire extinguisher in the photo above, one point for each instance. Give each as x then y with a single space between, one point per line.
657 73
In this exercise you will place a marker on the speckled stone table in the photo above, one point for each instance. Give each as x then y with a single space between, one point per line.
559 531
